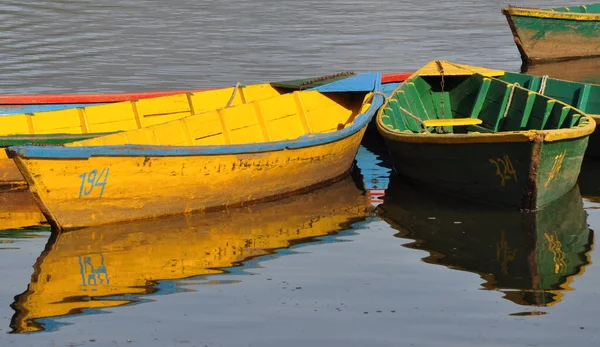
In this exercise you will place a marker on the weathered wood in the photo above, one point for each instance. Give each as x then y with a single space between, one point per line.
523 149
555 34
156 171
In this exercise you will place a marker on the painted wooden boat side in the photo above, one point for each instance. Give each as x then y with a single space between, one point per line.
89 268
530 257
555 34
527 168
63 126
191 177
584 96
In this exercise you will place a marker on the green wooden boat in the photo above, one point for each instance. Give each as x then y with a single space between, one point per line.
556 33
584 96
531 258
456 129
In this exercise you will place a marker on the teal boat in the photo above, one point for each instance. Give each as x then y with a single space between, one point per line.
459 130
552 34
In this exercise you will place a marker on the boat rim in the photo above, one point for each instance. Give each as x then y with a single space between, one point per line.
548 13
550 135
307 140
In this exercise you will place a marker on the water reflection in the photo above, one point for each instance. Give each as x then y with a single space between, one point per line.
582 70
588 180
531 258
94 268
18 210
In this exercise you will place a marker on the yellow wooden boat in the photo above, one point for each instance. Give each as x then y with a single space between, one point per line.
255 151
107 266
88 121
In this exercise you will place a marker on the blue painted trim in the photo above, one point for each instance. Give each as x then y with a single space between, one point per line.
7 110
168 151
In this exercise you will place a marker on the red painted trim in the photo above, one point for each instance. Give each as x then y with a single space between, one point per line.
26 99
29 99
395 77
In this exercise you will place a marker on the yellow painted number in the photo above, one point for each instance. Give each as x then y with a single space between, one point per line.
504 169
558 160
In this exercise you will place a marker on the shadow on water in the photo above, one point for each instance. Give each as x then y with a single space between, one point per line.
86 270
588 180
581 70
18 210
530 257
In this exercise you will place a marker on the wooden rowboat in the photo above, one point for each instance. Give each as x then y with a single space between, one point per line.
556 33
532 258
73 124
483 139
232 156
101 267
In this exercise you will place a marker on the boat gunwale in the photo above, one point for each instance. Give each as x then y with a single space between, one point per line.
549 14
549 135
306 140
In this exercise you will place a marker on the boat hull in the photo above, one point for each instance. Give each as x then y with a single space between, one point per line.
550 36
134 187
527 175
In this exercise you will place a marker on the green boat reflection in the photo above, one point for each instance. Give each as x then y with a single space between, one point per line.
532 258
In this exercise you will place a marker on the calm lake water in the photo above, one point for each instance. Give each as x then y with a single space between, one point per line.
337 267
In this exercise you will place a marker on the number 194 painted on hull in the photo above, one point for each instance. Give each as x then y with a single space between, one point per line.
91 180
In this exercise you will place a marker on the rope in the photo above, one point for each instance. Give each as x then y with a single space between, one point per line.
237 85
325 78
370 98
543 84
512 91
441 130
419 120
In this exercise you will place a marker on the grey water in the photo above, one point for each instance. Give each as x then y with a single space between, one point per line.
339 267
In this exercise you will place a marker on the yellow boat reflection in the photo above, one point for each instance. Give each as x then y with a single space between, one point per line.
97 267
531 258
18 209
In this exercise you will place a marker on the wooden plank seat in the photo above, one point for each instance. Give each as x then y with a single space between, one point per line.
452 122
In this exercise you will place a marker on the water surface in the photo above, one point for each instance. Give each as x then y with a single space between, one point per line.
338 267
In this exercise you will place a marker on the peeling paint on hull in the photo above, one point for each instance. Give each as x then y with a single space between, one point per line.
139 187
544 38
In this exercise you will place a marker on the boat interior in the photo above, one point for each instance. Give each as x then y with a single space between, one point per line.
593 8
472 103
129 115
283 117
584 96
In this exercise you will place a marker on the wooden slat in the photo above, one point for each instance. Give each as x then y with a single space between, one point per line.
414 95
527 111
301 113
261 121
584 95
452 122
502 110
481 97
225 129
563 115
547 113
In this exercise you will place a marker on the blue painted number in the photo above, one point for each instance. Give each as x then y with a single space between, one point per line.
92 179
